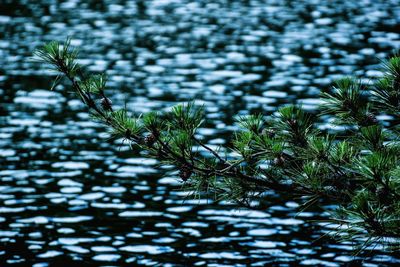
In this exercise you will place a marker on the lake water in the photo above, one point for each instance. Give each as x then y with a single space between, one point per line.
68 196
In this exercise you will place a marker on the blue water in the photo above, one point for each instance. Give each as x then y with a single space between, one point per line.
69 196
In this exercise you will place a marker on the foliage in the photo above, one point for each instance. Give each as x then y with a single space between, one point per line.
357 168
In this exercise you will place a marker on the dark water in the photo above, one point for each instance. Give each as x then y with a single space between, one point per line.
67 196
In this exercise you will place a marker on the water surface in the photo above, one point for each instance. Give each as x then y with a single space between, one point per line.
68 196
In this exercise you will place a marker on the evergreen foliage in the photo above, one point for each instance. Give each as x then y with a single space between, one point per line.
356 167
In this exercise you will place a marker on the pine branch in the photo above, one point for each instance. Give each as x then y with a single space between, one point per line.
287 153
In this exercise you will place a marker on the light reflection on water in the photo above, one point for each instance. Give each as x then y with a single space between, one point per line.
67 195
